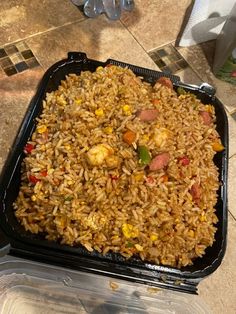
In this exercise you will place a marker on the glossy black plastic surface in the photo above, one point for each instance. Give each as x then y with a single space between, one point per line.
31 246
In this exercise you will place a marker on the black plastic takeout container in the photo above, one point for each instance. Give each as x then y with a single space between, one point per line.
24 244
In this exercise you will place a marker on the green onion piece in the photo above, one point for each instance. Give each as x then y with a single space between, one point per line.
144 155
129 244
181 91
69 198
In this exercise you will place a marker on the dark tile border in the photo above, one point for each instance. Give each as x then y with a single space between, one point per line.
168 59
16 58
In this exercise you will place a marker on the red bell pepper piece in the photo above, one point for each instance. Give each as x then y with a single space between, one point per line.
28 148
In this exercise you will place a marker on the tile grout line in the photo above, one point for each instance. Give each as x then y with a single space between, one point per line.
167 44
137 41
232 216
234 155
43 32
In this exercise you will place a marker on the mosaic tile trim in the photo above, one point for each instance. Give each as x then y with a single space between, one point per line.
16 58
168 59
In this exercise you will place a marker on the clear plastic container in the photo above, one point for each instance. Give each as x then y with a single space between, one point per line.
33 288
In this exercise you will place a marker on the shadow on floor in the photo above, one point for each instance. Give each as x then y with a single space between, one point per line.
184 22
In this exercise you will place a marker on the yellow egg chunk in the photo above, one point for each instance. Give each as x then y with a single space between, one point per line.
129 231
97 154
139 247
160 136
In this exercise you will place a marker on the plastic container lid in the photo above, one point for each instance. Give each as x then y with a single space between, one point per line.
36 288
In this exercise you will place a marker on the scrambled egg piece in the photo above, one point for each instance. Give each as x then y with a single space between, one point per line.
129 231
98 154
161 136
138 247
112 161
191 233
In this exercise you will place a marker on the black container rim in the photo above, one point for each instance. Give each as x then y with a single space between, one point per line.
21 247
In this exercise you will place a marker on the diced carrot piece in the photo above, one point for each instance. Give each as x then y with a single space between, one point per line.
155 101
44 173
164 178
129 137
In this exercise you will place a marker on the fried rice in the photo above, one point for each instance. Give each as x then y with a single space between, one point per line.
94 172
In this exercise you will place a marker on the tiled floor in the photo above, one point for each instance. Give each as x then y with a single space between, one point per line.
52 28
99 38
16 58
168 59
200 58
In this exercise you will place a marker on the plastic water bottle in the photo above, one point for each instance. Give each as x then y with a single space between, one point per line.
78 2
112 8
127 5
93 8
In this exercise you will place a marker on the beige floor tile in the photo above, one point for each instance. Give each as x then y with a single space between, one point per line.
188 76
232 186
219 289
99 38
232 136
16 92
156 22
22 18
200 58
